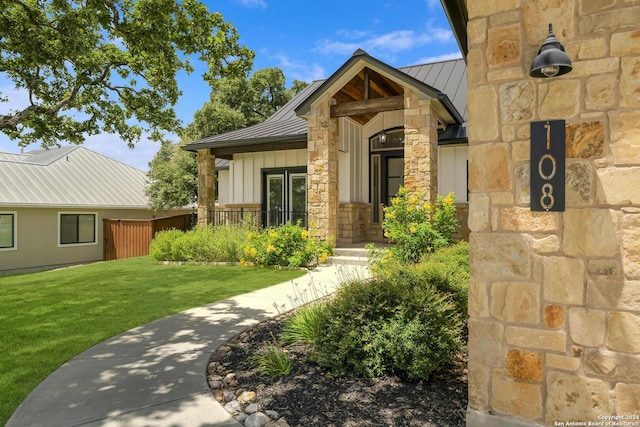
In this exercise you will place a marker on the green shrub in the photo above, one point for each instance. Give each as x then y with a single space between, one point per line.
304 326
202 244
272 361
446 269
406 321
289 245
388 327
418 228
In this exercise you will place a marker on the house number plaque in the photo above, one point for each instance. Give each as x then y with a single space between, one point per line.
547 165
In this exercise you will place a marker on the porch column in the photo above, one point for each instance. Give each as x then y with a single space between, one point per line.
420 145
322 171
206 186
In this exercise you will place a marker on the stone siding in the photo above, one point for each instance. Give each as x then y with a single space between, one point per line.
322 171
554 298
206 186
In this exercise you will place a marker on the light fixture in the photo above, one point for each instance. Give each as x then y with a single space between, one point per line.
382 135
551 60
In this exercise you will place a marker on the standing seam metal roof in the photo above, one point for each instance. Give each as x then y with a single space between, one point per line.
70 177
449 77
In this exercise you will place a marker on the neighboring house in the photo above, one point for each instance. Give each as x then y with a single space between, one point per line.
342 147
53 202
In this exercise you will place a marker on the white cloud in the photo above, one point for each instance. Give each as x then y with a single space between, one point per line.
112 146
439 58
387 43
252 3
434 4
300 70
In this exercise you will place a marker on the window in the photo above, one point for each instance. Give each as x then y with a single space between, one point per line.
285 196
78 228
8 231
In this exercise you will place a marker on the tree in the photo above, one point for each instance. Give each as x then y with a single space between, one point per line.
173 178
92 66
235 103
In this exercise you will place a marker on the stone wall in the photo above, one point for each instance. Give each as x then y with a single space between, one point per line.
354 224
322 171
420 145
554 298
206 186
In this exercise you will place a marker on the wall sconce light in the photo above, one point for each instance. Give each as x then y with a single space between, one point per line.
382 135
551 60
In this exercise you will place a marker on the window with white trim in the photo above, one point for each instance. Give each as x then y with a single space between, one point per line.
77 228
8 231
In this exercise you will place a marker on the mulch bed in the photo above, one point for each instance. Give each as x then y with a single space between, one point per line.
309 396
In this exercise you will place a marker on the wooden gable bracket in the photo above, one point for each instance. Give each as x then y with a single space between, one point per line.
368 105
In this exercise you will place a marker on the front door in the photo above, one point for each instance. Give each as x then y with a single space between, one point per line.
387 169
394 176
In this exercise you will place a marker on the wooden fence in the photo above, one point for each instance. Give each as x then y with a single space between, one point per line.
127 238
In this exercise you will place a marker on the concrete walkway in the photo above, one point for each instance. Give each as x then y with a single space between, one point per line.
154 375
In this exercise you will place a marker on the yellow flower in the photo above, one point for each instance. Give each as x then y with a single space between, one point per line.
247 250
395 201
253 252
270 248
413 228
304 234
386 234
249 236
323 258
242 261
427 206
273 234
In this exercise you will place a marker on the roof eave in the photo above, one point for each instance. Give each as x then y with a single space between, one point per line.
240 143
456 11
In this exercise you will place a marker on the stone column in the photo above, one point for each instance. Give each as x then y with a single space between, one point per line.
322 171
420 145
554 297
206 187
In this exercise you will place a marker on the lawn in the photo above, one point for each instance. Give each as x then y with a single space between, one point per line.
47 318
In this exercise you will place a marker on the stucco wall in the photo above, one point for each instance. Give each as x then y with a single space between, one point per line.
37 238
554 298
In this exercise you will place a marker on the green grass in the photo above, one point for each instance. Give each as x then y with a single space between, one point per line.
49 317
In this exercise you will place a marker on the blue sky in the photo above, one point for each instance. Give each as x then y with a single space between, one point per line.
307 40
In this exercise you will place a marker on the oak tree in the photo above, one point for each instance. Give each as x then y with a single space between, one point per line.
93 66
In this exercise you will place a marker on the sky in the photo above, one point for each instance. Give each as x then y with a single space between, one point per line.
307 40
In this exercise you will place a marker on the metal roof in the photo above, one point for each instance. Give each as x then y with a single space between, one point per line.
447 79
70 177
281 126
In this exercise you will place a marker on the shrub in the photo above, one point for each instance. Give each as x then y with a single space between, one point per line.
446 269
418 228
304 326
272 361
206 244
388 327
406 321
289 245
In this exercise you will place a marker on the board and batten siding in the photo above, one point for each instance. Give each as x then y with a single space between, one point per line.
452 171
245 172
